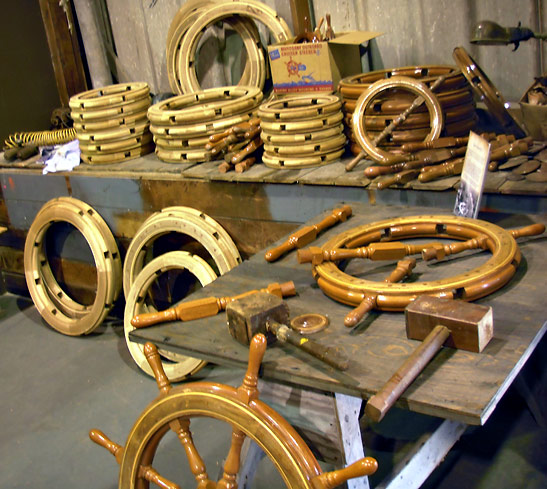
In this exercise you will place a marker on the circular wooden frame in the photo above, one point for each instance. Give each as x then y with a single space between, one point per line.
213 13
419 89
104 114
113 123
297 107
318 147
275 161
113 135
181 367
185 220
303 126
487 92
175 155
469 286
306 137
109 158
61 312
109 96
170 143
98 148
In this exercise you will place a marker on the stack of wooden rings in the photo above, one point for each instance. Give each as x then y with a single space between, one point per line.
302 131
454 96
193 19
111 122
183 124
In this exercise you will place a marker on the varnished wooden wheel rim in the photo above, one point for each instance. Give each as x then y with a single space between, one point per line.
182 366
487 92
107 261
472 285
417 88
218 11
279 441
109 96
185 220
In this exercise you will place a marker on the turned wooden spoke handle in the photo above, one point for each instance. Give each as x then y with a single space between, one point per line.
379 404
151 475
353 317
154 360
364 467
277 252
531 230
98 437
149 318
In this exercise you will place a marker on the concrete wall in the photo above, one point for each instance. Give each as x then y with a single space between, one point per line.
416 32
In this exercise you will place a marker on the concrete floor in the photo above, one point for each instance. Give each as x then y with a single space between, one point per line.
55 388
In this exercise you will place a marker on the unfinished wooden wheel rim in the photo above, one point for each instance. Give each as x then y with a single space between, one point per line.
113 123
205 105
182 366
108 113
184 220
417 88
116 134
315 148
298 138
470 285
117 157
107 264
109 96
218 11
174 155
276 161
116 146
297 107
292 127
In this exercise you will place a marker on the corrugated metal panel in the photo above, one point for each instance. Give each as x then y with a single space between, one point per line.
415 32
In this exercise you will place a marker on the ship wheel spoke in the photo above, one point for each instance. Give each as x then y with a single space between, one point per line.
233 461
151 475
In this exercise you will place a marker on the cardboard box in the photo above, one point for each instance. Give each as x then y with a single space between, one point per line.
316 66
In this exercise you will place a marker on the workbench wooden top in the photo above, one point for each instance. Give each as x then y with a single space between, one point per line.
457 385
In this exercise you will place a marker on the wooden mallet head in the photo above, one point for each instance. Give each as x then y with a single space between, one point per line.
248 316
437 322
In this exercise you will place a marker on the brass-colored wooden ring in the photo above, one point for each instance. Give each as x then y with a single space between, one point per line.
116 146
218 11
469 286
183 155
113 123
109 96
275 161
180 367
106 258
299 138
185 220
303 126
297 107
130 108
170 143
319 147
112 135
417 88
205 105
487 92
117 157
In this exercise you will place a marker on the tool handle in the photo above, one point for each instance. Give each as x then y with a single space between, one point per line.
353 163
531 230
328 480
275 253
339 214
354 316
324 353
379 404
452 167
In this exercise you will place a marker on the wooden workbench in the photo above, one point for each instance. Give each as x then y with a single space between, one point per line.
457 385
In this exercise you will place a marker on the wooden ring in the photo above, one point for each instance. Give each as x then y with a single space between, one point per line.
184 220
122 120
105 114
117 157
122 145
109 96
417 88
298 138
471 285
318 147
105 254
297 107
487 92
181 366
275 161
292 127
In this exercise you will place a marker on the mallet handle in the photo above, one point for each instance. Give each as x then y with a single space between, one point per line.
326 354
379 404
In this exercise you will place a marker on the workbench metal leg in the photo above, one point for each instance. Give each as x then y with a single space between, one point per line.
412 471
347 409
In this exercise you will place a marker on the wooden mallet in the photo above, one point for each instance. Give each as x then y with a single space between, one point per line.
437 322
268 314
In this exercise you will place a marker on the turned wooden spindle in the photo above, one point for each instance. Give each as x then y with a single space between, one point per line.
401 178
98 437
151 475
252 133
328 480
514 149
307 234
450 168
181 427
233 461
154 360
247 150
531 230
245 164
215 138
445 142
249 125
390 250
403 269
439 251
206 307
248 390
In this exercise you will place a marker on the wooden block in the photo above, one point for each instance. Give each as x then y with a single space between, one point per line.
471 325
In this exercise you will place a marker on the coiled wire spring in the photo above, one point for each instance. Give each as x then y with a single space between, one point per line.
40 138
